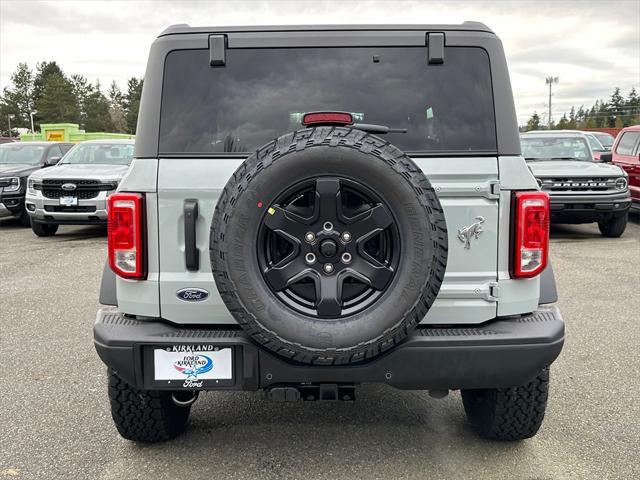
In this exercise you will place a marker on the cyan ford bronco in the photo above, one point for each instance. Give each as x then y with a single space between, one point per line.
313 208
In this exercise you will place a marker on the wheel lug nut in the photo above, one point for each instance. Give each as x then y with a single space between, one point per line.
309 237
328 268
346 237
310 258
346 258
327 226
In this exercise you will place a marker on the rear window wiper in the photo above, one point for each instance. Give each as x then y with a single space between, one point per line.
371 128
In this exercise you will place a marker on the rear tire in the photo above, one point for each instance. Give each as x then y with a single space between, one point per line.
44 229
147 416
508 414
614 227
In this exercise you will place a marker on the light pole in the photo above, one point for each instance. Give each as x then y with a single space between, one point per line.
31 114
9 117
550 81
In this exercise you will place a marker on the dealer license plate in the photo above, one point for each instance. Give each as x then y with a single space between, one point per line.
193 363
69 201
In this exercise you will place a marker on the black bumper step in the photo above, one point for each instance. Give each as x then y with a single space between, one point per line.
499 353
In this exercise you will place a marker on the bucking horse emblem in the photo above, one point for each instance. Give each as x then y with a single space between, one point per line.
472 231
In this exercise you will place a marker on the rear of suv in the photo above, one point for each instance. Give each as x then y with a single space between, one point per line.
313 208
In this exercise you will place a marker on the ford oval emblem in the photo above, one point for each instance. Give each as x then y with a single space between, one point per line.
192 294
69 187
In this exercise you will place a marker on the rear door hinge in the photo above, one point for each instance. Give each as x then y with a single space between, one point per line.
494 292
494 188
489 189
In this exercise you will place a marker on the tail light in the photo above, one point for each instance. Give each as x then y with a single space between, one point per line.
125 215
531 239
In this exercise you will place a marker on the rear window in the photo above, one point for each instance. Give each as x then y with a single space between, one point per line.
262 93
627 142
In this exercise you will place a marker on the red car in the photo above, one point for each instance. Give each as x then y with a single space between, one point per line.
626 154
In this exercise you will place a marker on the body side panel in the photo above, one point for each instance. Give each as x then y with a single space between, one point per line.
142 297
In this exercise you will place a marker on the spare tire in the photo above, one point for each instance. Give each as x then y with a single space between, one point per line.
328 245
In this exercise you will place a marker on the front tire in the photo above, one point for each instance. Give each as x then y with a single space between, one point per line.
614 227
508 414
44 229
146 416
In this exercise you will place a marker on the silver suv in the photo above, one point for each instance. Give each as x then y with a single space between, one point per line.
312 208
75 191
580 190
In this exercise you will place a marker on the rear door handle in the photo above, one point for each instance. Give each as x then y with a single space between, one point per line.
191 252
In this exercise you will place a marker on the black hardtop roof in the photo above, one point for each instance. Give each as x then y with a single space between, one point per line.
181 29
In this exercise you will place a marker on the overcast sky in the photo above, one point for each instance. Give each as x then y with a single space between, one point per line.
591 46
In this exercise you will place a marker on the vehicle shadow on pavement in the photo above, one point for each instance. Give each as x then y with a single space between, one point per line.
385 433
590 231
68 232
10 224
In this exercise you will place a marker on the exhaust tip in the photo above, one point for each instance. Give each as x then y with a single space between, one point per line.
184 398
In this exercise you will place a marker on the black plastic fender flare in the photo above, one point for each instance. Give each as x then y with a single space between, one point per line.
108 294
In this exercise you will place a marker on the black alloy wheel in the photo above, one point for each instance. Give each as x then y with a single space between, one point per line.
328 247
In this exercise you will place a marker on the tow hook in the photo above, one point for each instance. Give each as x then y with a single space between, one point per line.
184 398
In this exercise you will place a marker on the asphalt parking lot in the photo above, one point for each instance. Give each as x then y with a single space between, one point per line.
55 421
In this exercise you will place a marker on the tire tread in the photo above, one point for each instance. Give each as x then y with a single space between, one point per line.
146 416
508 414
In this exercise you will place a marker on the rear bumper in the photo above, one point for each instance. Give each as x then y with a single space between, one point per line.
588 208
500 353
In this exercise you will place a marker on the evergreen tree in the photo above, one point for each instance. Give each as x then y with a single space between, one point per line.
132 103
534 122
563 123
572 124
43 71
97 106
616 104
602 114
116 108
56 102
17 100
81 90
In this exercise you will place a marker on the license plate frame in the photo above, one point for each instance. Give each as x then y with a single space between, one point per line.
213 367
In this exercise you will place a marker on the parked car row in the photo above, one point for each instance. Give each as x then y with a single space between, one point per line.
47 184
575 169
590 177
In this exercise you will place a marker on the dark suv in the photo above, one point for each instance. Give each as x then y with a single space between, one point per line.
17 161
312 208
